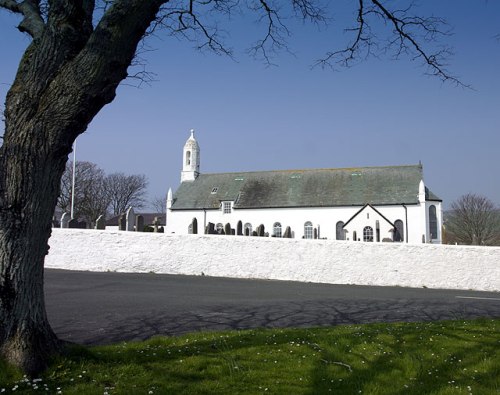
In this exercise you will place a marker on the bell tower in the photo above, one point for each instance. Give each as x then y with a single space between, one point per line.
190 159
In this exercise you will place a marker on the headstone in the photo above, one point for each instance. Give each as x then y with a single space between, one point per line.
315 233
227 229
65 220
260 230
156 222
100 223
254 233
210 229
122 222
288 233
195 226
75 224
139 223
239 228
130 220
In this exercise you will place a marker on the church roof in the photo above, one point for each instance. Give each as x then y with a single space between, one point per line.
303 188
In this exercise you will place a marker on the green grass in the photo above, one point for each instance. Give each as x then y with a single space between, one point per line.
452 357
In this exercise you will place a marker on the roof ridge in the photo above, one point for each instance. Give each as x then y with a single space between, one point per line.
312 169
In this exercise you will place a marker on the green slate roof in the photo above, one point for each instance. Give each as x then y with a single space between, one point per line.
303 188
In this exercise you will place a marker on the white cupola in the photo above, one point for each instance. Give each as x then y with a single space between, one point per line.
190 159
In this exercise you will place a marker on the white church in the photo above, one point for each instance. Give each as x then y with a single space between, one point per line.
370 204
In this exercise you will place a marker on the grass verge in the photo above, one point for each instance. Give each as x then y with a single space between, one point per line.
451 357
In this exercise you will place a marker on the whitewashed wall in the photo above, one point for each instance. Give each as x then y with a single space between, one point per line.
327 261
326 218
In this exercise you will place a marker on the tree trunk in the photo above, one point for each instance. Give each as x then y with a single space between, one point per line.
68 73
31 183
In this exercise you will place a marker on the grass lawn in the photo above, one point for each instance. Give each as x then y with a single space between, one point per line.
452 357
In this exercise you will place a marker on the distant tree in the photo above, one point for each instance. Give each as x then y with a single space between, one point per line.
473 220
159 204
78 54
91 199
125 191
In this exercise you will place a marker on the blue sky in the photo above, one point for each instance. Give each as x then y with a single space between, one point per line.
251 117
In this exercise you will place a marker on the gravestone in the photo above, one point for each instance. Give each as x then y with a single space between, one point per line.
195 226
156 222
100 223
210 229
75 224
227 229
139 223
130 220
65 220
288 233
261 230
239 228
122 222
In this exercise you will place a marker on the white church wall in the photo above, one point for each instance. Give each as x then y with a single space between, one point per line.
325 218
326 261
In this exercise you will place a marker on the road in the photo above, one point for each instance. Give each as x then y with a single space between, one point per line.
101 308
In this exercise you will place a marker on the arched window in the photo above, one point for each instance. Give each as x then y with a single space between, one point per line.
247 229
277 229
340 231
399 232
188 158
308 230
433 224
367 233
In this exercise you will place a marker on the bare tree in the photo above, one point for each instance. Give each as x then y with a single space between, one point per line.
473 220
80 51
91 198
159 204
124 191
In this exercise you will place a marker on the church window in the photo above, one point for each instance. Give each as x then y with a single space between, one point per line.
226 207
432 222
214 190
340 231
368 233
308 230
188 158
247 229
399 232
277 229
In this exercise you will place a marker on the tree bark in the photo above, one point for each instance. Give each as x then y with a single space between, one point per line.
67 74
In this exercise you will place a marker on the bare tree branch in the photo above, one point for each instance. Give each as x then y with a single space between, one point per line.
408 35
32 22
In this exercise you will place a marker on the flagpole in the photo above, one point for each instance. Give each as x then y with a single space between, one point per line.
73 182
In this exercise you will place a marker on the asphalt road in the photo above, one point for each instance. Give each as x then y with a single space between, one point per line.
100 308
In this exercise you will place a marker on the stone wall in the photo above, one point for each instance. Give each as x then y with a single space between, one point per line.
327 261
